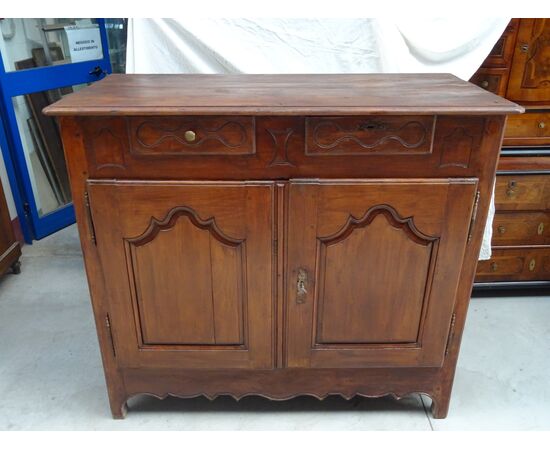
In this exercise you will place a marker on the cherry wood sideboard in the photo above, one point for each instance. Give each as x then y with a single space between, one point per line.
281 235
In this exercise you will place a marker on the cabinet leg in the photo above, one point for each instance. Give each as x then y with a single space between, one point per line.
16 267
119 408
440 405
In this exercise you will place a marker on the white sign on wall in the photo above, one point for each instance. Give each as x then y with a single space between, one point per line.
84 43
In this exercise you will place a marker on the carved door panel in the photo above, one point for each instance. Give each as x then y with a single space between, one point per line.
530 73
188 271
373 267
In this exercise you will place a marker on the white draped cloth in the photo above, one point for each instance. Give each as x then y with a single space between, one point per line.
314 46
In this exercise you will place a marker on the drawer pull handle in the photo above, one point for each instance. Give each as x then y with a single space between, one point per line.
532 265
301 286
510 192
484 84
540 229
190 136
494 267
524 48
502 229
542 125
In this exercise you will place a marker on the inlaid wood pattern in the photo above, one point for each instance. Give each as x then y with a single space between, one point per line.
368 313
369 134
515 264
198 296
530 71
193 136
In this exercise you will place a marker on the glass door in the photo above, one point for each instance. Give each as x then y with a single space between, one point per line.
41 60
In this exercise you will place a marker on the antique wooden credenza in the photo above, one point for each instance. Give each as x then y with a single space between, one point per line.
281 235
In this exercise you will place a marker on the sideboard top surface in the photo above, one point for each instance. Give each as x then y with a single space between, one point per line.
314 94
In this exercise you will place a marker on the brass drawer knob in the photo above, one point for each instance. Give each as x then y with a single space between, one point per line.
540 229
542 125
494 267
532 265
190 136
501 229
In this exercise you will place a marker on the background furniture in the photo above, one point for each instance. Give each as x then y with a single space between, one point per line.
10 249
281 235
518 69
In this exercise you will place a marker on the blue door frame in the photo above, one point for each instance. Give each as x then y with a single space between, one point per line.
12 84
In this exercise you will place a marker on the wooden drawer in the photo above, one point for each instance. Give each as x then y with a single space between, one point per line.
492 80
369 134
277 147
529 129
192 135
522 192
521 228
515 265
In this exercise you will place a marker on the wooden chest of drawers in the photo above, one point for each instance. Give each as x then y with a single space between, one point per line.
281 235
517 69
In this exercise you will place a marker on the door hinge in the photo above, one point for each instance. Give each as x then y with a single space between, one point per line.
451 333
89 217
474 215
110 331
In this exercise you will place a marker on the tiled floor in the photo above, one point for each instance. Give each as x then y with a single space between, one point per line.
51 375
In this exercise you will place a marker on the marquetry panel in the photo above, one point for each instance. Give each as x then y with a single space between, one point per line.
529 129
521 228
522 192
530 73
515 264
369 134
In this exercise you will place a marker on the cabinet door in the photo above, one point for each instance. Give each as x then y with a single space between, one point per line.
530 74
188 271
373 268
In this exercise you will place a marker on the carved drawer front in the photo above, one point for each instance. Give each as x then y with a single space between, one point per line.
522 192
369 134
531 128
192 135
521 228
188 271
492 80
515 265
